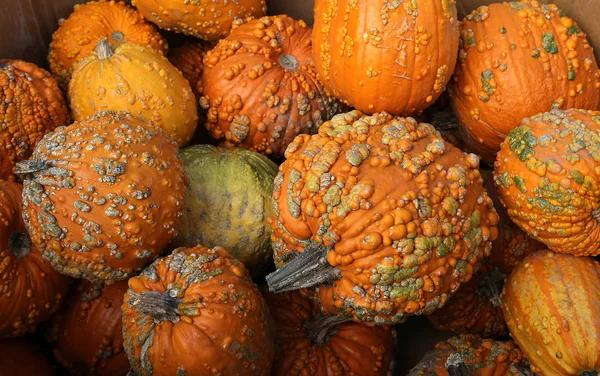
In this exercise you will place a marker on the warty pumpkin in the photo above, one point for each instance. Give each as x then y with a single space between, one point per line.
78 35
197 312
136 79
551 303
516 60
381 55
20 357
260 86
308 343
86 334
382 214
31 104
30 290
547 174
102 197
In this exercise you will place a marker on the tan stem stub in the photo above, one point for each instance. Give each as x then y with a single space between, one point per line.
158 305
31 166
19 244
117 36
103 49
322 328
289 62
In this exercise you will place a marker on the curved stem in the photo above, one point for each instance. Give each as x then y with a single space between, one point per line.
158 305
320 329
103 49
456 366
19 244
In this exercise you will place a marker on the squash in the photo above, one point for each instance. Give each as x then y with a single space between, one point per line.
188 58
197 312
20 357
136 79
103 197
380 213
516 60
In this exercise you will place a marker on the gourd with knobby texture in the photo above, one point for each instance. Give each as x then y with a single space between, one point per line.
103 197
21 357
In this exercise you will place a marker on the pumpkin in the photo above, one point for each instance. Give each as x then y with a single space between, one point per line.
260 86
31 104
228 203
78 35
30 290
469 355
552 310
102 197
197 312
307 343
86 334
380 213
188 58
518 59
547 174
20 357
381 55
136 79
204 19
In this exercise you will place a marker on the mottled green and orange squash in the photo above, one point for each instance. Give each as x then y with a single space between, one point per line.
260 86
516 60
197 312
308 343
102 197
77 36
31 104
548 174
380 213
21 357
30 290
381 55
136 79
551 302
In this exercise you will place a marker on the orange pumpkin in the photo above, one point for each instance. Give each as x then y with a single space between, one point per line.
20 357
102 197
30 290
197 312
260 87
188 58
31 104
516 60
551 303
77 36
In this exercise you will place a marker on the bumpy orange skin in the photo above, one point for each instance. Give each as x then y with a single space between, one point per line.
188 58
550 302
516 60
381 55
77 36
31 105
260 86
109 198
86 334
30 290
548 178
402 214
223 326
20 357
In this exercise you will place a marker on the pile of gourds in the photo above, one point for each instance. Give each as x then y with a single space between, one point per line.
316 207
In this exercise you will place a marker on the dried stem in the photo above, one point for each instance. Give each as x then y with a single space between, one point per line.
456 366
30 166
320 329
491 285
158 305
19 244
288 62
103 49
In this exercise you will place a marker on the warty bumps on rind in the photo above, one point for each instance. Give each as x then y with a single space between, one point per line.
103 196
395 218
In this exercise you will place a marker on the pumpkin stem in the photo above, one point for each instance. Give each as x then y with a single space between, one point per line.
308 269
491 285
456 366
103 49
288 62
117 36
19 244
2 65
320 329
589 373
520 371
158 305
30 166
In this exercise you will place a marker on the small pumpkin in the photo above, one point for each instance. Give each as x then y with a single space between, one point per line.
103 197
30 290
197 312
188 58
552 310
31 104
20 357
136 79
516 60
78 35
308 343
260 86
86 334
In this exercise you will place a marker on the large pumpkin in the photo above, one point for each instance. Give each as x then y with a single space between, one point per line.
548 173
307 343
228 203
20 357
516 60
86 334
384 210
260 86
30 290
78 35
31 104
102 197
197 312
136 79
381 55
551 303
